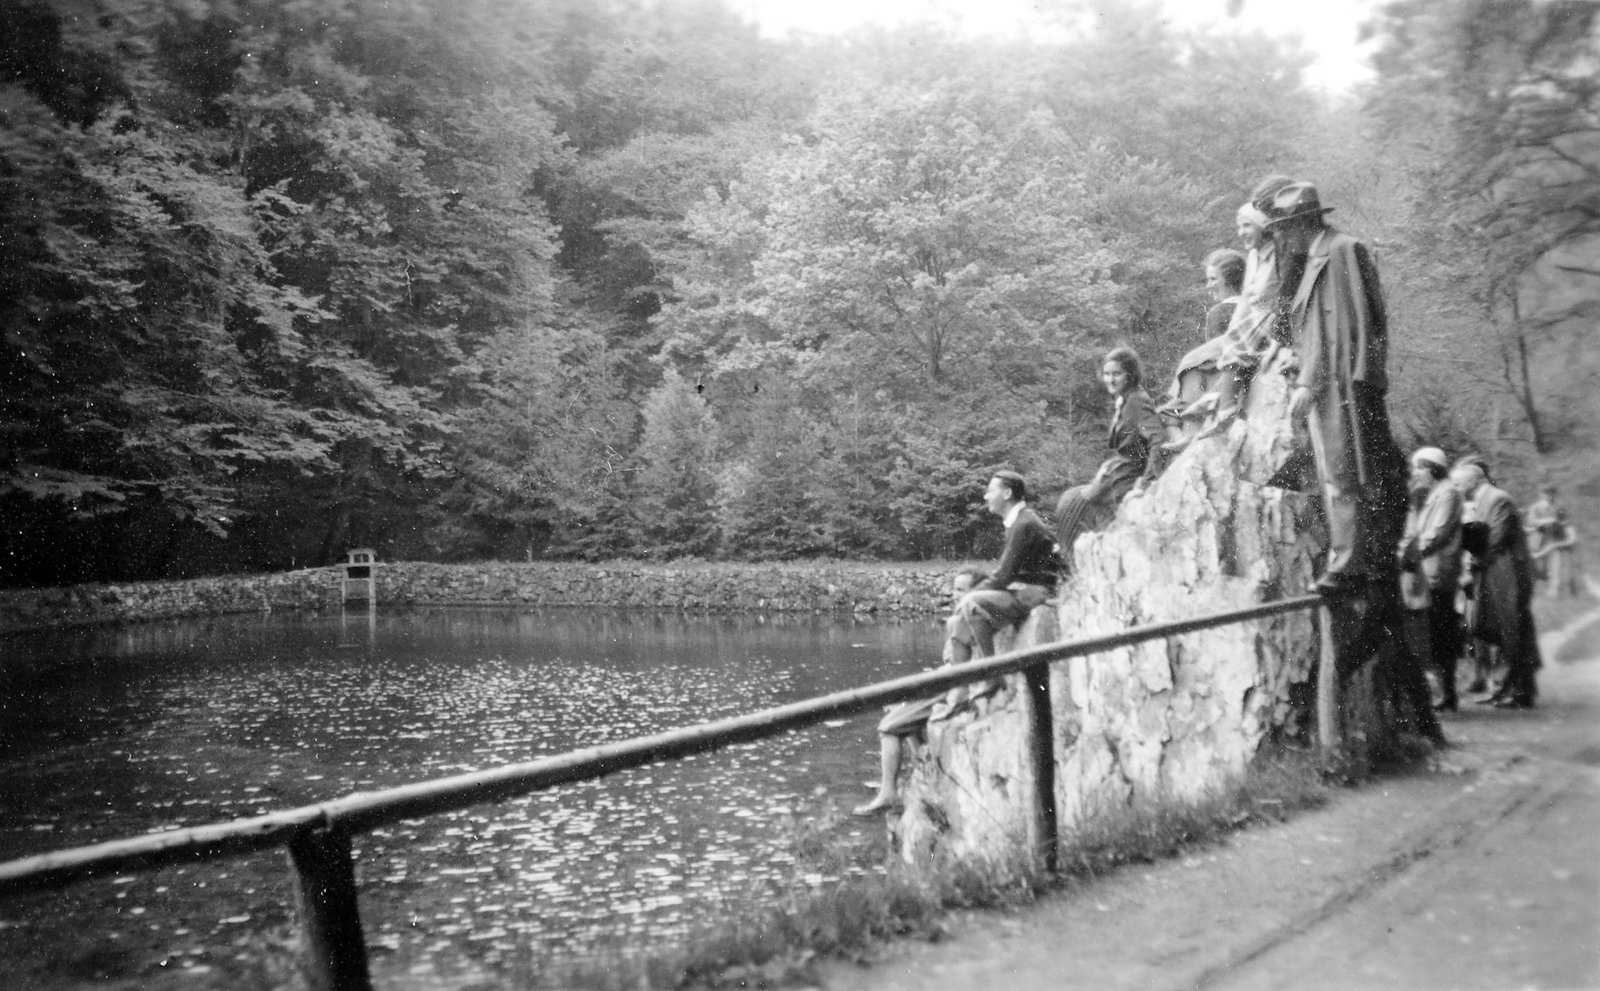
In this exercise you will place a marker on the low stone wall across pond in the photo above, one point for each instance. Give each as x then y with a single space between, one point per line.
803 587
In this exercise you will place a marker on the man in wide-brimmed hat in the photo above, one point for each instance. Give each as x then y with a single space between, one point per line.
1336 316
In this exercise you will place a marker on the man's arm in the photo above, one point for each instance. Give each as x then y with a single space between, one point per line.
1310 351
1149 427
1372 322
1003 574
1442 520
1313 360
1500 516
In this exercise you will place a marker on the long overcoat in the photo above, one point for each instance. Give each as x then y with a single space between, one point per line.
1504 572
1343 339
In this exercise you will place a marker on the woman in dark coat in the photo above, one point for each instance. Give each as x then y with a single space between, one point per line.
1502 574
1135 437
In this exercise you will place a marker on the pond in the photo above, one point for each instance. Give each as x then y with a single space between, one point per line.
106 733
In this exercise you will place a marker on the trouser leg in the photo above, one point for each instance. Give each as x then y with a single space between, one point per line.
1522 660
1407 670
971 628
1341 498
1416 634
888 765
1343 509
1482 664
977 617
1444 640
1362 479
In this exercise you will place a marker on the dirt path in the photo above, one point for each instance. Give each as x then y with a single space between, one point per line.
1482 872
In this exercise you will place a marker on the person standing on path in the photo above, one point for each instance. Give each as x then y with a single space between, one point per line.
1340 333
1503 572
1430 563
1551 541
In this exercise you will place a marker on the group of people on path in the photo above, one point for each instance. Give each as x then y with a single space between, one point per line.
1301 284
1467 575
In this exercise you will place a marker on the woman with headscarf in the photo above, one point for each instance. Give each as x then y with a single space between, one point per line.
1134 438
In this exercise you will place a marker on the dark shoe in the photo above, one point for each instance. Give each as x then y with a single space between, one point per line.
1337 585
1477 686
1514 703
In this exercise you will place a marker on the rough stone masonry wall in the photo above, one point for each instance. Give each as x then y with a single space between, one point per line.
972 789
1177 718
853 588
1163 720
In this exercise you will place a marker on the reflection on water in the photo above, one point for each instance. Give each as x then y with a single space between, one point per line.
107 733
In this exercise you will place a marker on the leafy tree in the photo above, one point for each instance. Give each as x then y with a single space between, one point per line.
278 278
258 256
779 498
542 464
676 485
1505 93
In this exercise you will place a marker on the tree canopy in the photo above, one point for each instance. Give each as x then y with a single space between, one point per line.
568 278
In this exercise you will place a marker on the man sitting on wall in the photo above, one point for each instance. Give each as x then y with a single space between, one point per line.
1024 578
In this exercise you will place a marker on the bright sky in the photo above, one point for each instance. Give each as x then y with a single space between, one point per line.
1327 27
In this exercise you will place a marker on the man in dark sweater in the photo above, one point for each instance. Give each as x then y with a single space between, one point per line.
1024 578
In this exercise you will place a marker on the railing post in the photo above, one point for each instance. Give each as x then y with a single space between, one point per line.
332 948
1037 678
1329 731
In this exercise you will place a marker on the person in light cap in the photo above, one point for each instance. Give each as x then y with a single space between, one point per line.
1430 569
1503 573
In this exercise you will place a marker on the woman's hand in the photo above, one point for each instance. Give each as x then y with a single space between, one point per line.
1299 403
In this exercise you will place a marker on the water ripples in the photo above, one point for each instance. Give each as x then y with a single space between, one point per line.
108 733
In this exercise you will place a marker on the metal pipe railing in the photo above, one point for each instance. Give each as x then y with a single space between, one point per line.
318 836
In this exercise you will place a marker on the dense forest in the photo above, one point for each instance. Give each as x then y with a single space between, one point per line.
470 279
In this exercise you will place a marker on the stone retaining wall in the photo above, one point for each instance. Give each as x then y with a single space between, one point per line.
850 588
1163 721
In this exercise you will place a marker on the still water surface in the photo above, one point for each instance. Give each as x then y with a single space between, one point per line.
115 732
